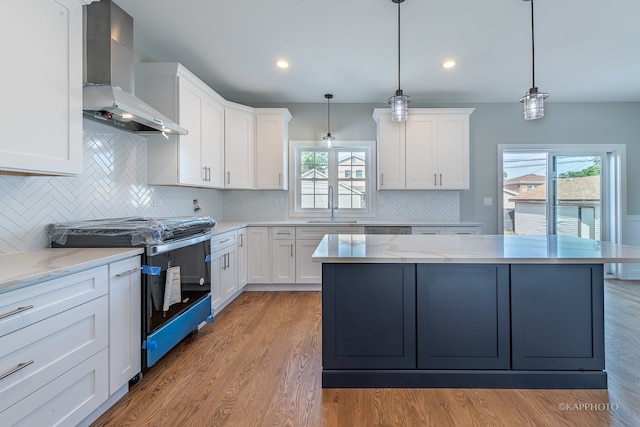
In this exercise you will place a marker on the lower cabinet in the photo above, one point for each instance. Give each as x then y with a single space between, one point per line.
469 303
369 316
68 344
258 259
463 325
124 322
224 282
557 318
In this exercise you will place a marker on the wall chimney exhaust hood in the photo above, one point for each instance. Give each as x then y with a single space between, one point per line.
109 68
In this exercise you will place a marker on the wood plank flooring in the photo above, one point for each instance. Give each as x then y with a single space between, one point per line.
260 364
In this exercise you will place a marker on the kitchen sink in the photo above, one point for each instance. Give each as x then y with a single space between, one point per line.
330 221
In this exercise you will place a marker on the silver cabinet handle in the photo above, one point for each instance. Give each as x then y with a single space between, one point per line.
440 179
16 311
204 173
241 240
292 250
228 262
128 272
435 179
228 177
381 179
224 241
18 367
279 179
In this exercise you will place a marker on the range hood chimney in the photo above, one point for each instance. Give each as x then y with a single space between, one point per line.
109 68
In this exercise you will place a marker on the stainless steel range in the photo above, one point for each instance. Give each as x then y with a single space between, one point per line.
176 273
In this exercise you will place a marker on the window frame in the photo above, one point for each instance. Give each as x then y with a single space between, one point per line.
368 147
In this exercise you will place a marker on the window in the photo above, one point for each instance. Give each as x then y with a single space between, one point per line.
344 169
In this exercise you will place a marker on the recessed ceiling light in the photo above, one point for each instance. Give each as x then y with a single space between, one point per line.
449 63
281 63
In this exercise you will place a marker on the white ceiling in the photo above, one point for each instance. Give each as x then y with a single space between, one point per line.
586 50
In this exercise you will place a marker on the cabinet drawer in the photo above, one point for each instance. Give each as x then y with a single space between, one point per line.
50 348
347 229
25 306
463 230
223 240
65 401
283 233
312 233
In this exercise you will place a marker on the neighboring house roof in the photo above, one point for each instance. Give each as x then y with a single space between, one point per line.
525 179
585 188
313 173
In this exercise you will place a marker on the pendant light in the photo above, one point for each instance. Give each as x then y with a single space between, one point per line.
328 138
399 102
533 100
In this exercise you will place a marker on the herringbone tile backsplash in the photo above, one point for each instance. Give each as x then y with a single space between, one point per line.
113 184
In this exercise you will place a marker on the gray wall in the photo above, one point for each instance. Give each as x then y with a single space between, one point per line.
490 125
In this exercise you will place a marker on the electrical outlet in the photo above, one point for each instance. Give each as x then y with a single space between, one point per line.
488 201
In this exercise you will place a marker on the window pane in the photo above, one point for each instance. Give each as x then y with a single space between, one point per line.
524 191
314 167
352 166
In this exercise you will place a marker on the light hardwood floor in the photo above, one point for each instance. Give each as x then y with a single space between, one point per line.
260 364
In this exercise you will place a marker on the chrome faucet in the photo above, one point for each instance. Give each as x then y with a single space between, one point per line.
332 203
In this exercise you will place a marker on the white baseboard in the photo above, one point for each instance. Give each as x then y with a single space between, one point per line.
284 287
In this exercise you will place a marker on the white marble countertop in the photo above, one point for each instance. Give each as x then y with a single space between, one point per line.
485 249
27 268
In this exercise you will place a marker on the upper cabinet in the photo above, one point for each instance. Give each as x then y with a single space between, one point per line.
195 159
41 45
429 151
238 146
228 145
272 148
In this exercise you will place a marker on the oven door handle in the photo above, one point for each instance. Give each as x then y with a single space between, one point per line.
157 249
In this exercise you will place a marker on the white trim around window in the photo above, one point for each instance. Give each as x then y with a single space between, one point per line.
315 204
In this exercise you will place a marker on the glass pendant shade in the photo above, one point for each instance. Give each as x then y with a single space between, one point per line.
399 106
534 104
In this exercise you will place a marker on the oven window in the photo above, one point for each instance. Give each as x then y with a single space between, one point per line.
193 264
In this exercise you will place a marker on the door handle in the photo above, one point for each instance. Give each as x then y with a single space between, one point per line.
291 250
17 368
128 272
440 179
435 179
228 177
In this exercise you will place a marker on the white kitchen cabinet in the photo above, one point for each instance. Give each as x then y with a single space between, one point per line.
258 255
272 148
242 258
124 322
41 45
195 159
283 254
224 282
54 346
429 151
238 146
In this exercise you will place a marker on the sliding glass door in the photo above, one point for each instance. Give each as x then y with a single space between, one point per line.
564 190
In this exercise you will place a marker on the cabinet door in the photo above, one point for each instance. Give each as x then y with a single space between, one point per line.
284 261
41 45
368 316
391 153
189 153
212 149
420 173
124 322
452 152
238 148
258 256
568 334
242 258
429 230
218 263
229 276
307 271
272 151
463 316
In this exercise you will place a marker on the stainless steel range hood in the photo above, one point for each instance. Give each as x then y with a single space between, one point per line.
109 68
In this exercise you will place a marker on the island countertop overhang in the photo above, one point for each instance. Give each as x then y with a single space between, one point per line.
470 249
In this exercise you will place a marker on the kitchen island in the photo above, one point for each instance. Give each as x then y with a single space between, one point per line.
464 311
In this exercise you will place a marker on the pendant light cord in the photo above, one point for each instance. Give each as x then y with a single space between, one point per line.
328 116
533 50
399 44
